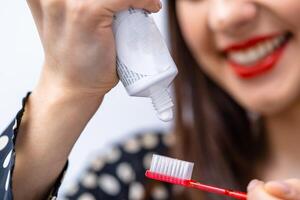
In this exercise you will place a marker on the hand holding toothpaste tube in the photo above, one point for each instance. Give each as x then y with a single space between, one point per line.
78 42
79 68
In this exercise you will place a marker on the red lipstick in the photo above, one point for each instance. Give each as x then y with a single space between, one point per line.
249 43
260 66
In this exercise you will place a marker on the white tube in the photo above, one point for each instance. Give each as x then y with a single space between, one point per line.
144 64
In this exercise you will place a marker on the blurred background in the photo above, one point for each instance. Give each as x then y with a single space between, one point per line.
20 64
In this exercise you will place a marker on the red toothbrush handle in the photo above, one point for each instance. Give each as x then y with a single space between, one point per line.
208 188
196 185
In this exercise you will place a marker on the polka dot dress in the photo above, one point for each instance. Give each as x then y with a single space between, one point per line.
7 154
6 161
119 174
7 158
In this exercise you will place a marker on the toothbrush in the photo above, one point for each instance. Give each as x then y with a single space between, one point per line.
179 172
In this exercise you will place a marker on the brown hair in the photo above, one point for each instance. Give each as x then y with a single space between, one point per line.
212 130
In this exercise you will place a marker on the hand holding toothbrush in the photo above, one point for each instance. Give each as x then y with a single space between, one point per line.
274 190
179 172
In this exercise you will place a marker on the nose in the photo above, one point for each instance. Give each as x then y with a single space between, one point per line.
233 16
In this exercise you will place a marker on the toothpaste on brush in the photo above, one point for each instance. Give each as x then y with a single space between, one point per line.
144 64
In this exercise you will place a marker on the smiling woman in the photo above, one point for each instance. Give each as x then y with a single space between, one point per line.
233 61
227 36
237 101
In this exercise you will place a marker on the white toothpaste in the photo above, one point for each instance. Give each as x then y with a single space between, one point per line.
144 64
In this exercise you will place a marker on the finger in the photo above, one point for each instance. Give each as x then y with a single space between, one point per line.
295 183
256 191
289 189
118 5
100 12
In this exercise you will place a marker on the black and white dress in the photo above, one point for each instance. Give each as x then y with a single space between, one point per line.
120 173
117 174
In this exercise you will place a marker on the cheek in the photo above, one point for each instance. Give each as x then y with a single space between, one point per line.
191 22
291 13
287 10
192 18
266 95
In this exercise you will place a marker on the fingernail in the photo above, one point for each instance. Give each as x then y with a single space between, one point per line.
284 187
253 184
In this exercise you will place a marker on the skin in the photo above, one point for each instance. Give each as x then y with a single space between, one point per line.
79 69
73 82
209 26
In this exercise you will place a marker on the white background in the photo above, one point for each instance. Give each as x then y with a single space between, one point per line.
21 57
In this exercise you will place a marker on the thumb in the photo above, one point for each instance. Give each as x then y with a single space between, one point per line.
288 190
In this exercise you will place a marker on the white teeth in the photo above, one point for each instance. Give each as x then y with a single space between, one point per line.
261 50
256 53
276 42
269 46
252 54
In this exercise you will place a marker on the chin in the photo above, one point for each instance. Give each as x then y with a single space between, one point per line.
270 104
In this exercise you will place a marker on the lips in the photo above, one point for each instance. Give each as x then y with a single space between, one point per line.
257 55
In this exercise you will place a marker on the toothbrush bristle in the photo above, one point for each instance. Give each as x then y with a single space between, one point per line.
171 167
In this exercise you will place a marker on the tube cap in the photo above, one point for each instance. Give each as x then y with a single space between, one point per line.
163 104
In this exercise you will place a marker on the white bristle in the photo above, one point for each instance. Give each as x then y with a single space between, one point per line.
171 167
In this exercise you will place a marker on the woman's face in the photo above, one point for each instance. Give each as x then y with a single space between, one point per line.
251 48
